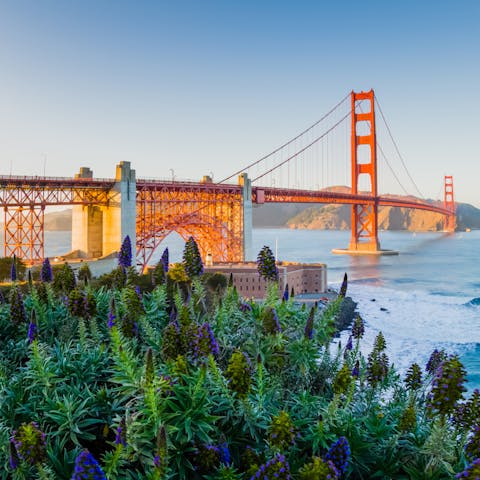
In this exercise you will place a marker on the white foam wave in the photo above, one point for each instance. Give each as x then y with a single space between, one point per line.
415 323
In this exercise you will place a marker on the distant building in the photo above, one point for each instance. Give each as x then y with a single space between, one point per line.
302 277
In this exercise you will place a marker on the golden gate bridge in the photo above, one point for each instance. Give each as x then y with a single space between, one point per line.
219 214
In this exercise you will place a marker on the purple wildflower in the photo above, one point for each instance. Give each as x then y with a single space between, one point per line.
32 328
349 345
271 325
86 468
286 296
46 274
308 333
356 370
225 457
358 328
472 472
204 343
30 443
125 254
436 358
245 307
112 314
339 453
13 269
164 259
13 457
17 308
447 386
277 467
121 434
472 447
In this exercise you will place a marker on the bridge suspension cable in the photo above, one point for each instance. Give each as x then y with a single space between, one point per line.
397 149
291 157
290 142
391 169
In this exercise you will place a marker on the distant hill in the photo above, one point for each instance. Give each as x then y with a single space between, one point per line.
326 217
337 217
58 221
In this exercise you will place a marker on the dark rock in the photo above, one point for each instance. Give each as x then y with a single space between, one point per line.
346 314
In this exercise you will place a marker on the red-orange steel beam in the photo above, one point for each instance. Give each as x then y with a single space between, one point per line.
211 213
24 200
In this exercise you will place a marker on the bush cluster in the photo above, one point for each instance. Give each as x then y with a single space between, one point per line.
196 383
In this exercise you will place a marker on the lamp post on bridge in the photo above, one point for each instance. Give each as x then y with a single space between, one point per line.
173 174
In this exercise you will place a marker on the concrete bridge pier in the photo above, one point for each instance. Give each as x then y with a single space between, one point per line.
87 221
246 183
99 230
120 216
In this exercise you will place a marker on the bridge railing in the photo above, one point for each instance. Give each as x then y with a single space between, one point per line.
32 178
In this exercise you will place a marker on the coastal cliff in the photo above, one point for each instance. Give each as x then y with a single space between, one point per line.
337 217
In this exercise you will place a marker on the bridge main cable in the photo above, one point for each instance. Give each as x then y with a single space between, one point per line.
324 134
290 141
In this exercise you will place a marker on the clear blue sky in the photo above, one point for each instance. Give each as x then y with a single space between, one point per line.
208 86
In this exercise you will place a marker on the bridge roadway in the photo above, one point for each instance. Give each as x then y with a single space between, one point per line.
48 191
215 214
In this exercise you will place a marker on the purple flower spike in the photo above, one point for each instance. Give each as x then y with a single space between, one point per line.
339 454
125 254
13 269
86 468
165 260
46 274
32 331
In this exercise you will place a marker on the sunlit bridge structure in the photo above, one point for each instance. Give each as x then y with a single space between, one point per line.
337 160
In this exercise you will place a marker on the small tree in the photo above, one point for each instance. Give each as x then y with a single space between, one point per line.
84 273
266 264
64 279
192 261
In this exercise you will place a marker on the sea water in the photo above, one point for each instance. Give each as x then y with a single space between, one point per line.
427 297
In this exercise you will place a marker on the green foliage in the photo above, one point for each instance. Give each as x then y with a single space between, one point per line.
447 387
282 431
318 469
63 278
84 273
239 373
156 385
343 380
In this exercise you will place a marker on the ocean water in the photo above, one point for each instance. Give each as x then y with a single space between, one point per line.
427 297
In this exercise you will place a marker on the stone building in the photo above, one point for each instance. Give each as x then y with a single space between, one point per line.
302 277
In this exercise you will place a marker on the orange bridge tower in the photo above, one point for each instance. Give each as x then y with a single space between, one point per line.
449 204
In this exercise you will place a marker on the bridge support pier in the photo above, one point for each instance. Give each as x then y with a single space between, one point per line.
119 217
247 209
87 225
99 230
